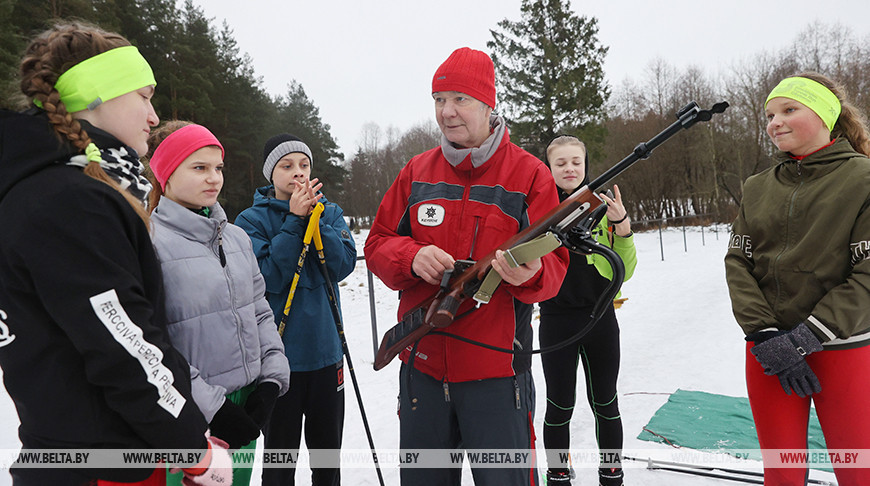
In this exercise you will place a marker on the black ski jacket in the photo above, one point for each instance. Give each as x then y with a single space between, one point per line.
83 344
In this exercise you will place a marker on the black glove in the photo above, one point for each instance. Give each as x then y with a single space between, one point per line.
261 401
783 353
232 425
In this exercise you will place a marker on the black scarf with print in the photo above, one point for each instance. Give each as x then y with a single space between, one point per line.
119 161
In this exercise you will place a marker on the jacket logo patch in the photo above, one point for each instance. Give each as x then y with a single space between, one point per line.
430 214
5 337
741 242
860 251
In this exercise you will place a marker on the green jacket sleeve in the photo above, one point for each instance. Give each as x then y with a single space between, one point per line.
748 303
843 311
624 247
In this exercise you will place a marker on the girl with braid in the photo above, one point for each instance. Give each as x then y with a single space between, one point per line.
798 271
568 313
83 342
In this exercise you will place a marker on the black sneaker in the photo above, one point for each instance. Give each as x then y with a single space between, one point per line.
610 477
560 478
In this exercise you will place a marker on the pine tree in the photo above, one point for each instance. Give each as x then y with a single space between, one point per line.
549 73
297 114
10 45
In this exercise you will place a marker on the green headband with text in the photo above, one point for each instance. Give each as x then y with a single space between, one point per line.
812 94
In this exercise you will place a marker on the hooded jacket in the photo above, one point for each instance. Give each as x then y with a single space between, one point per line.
800 247
467 208
83 344
218 316
310 337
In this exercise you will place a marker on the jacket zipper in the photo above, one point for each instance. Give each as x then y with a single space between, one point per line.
474 237
791 205
466 193
221 255
236 318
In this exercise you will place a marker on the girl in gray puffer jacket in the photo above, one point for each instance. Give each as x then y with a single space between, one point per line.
218 316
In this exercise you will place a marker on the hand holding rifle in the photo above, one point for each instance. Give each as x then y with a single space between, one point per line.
430 263
515 275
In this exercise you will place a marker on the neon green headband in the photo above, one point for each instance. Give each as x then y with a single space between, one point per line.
812 94
103 77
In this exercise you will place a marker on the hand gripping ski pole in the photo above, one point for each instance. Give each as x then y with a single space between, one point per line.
313 226
339 326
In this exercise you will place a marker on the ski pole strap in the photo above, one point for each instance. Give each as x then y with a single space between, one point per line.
516 256
318 242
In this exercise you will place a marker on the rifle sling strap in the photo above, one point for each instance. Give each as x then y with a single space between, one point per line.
516 256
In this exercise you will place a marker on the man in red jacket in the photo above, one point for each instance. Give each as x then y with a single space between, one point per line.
460 201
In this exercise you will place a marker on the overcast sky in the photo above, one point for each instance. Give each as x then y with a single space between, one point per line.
372 61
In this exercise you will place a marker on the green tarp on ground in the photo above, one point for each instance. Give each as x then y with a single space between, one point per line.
710 422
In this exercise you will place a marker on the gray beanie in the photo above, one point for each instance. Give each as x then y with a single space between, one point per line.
279 146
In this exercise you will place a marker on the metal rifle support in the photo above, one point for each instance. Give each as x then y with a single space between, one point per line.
686 117
580 239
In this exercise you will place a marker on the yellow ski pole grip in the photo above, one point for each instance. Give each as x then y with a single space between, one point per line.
312 228
313 223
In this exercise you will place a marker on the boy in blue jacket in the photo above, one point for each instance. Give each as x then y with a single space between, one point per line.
276 224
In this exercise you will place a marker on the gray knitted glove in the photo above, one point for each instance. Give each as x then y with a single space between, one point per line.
784 354
800 378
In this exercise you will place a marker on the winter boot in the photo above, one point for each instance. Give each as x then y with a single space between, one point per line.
610 477
558 478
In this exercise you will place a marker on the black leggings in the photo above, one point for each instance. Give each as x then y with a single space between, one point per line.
318 396
599 352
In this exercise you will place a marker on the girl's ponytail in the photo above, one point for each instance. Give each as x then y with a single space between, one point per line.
852 124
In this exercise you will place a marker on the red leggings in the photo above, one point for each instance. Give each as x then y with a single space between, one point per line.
842 406
158 478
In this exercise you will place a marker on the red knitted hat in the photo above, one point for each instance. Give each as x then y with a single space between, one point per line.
467 71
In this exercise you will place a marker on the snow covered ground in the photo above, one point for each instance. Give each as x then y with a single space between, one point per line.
677 332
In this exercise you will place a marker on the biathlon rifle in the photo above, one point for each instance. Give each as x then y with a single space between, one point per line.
584 207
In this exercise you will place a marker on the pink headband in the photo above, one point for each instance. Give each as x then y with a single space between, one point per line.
178 146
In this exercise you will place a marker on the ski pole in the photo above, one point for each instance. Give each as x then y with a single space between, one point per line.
707 471
313 224
339 326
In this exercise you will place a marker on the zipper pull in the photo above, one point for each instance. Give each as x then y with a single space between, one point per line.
221 254
799 167
446 391
517 393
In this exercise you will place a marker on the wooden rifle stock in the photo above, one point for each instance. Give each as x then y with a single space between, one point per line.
440 310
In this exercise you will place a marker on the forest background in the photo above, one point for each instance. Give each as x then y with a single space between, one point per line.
550 76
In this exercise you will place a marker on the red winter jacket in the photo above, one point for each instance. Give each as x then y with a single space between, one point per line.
468 212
